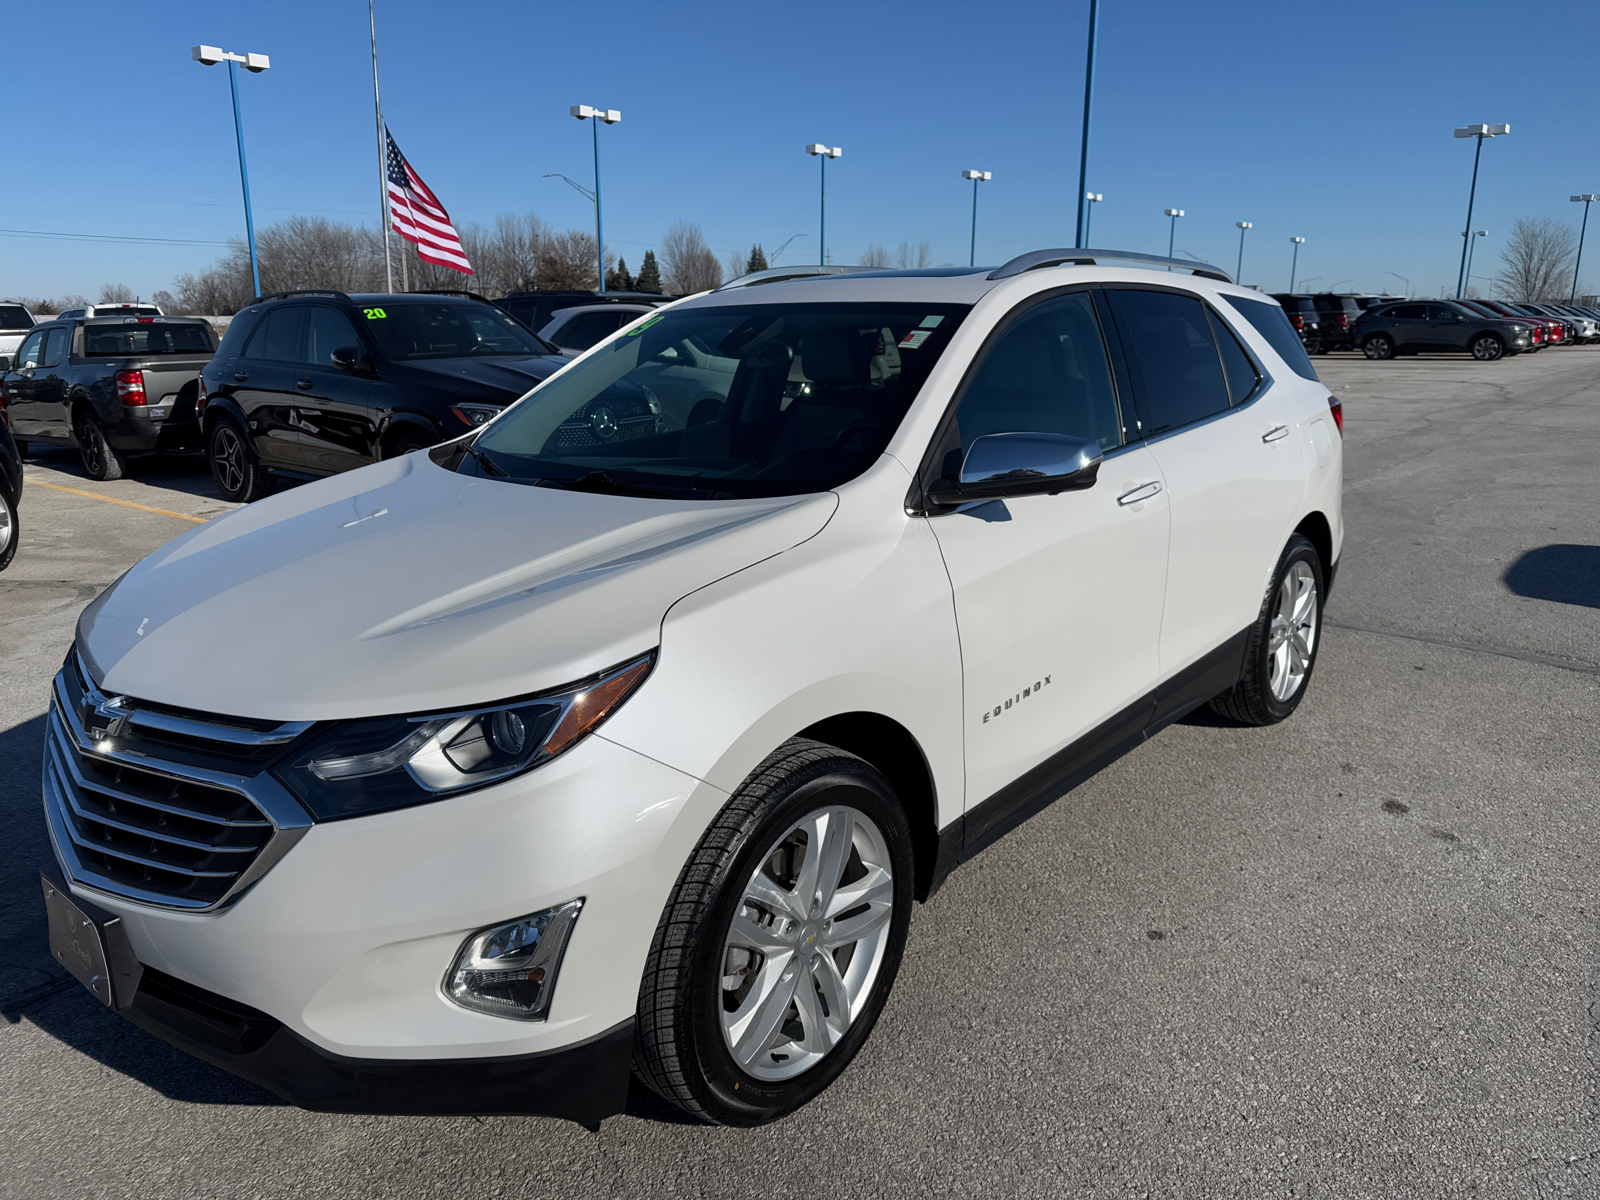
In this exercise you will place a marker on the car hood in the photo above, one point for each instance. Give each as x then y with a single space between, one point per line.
510 376
403 587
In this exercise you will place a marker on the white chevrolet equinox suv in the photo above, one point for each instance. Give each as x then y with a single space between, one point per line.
619 737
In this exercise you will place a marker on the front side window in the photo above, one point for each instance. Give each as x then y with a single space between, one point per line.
29 353
327 330
408 330
1442 312
1173 358
1047 373
124 341
795 398
55 346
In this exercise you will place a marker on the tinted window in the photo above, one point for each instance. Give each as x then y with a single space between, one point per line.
277 338
1442 312
585 329
55 346
28 352
815 393
1408 312
1048 373
145 341
1236 363
14 318
1296 304
327 330
1173 357
407 330
1271 323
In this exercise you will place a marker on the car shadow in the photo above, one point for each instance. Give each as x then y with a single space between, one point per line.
33 987
178 471
1564 574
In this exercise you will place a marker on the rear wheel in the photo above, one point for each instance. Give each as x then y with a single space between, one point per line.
238 473
1487 347
100 461
1378 347
1282 646
780 941
9 530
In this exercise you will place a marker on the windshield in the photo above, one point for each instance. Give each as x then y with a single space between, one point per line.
121 341
408 330
715 402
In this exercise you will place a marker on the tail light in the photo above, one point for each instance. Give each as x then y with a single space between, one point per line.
200 397
1297 321
1344 320
1336 407
130 387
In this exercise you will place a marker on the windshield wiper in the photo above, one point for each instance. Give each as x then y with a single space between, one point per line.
604 483
487 463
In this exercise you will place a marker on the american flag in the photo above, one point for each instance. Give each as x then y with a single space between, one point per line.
418 216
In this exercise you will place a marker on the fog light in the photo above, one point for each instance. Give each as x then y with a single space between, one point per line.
510 970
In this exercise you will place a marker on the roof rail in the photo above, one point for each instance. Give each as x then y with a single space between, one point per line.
448 292
303 292
779 274
1035 259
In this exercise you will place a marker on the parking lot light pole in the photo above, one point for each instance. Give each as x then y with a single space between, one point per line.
1587 198
1403 280
1083 147
977 177
1294 263
1090 199
1471 242
1172 235
1238 272
610 116
1480 132
824 153
254 63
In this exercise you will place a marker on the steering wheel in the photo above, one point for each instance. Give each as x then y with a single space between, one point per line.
851 430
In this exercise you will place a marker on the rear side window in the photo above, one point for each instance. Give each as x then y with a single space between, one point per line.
1047 373
55 346
277 338
586 329
1173 357
145 341
14 318
1271 323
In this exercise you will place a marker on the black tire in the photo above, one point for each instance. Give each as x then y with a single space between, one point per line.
1487 347
22 447
100 461
10 530
680 1050
237 471
1378 347
1252 701
408 440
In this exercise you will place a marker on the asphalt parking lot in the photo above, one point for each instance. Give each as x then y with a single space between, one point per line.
1349 956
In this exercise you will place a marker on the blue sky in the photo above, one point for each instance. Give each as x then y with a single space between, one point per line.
1287 115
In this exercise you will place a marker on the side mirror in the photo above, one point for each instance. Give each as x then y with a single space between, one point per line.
1001 465
347 358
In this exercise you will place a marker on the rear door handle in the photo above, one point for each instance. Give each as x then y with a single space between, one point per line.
1276 434
1143 492
303 384
241 376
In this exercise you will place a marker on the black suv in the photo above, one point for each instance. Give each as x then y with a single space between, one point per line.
307 384
1335 316
1303 315
1440 327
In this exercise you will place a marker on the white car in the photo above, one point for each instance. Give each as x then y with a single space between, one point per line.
478 779
574 330
15 322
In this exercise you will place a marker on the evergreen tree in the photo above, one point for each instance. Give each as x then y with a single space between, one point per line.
758 259
649 278
618 279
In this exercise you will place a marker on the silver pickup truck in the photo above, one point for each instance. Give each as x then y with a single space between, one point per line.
15 321
110 386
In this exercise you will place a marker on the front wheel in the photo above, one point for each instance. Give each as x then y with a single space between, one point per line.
238 473
1486 347
1378 347
10 529
780 940
100 461
1281 649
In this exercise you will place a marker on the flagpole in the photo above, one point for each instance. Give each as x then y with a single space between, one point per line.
383 171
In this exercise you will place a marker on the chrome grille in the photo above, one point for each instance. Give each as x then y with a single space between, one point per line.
162 832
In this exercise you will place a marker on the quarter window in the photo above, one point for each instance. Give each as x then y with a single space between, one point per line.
1270 321
1047 373
1236 364
1173 357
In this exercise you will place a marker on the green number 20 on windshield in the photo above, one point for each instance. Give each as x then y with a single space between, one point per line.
374 314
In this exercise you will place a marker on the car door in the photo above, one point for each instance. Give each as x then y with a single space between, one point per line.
50 384
1447 328
331 417
20 386
1408 326
264 386
1058 598
1223 437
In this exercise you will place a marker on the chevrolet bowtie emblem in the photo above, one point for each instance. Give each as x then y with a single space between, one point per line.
108 719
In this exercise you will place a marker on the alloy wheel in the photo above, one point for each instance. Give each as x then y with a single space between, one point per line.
1294 631
7 529
1486 348
1376 348
806 943
228 460
91 447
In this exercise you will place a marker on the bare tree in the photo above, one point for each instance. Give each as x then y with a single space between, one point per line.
691 266
907 256
567 260
165 301
734 264
874 256
115 293
1536 263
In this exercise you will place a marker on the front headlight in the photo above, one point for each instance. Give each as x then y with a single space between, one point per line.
358 767
477 414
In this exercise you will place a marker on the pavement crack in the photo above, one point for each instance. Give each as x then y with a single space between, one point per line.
1544 660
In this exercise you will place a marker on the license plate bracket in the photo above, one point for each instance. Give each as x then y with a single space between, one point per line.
91 943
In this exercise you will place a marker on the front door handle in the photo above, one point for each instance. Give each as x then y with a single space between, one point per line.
303 384
1143 492
1276 434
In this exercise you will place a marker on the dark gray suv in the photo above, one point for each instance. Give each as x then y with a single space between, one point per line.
1437 326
